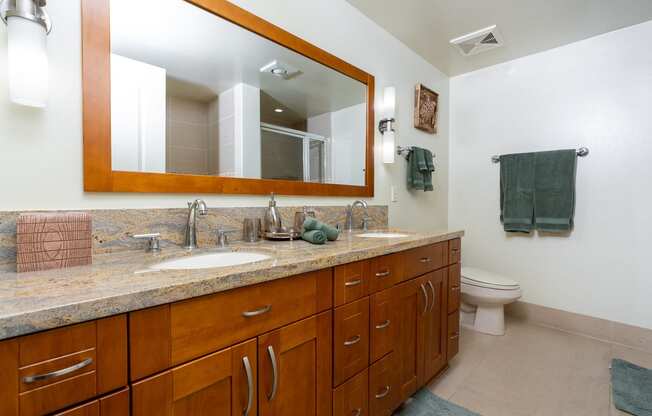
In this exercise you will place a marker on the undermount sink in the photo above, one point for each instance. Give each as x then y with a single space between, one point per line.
209 261
382 235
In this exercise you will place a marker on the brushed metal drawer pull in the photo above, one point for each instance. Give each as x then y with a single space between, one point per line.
352 341
425 299
432 288
383 274
257 312
356 412
384 393
58 373
455 288
353 283
272 359
425 260
383 325
250 385
455 336
455 250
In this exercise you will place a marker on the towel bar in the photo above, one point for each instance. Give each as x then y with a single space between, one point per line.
405 151
581 152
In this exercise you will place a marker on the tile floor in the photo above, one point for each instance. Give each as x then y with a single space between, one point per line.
534 371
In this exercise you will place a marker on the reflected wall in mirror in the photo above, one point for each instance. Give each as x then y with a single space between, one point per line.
193 93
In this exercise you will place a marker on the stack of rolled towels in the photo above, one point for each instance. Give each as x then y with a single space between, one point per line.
316 232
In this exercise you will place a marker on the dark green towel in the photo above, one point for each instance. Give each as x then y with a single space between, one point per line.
517 192
554 190
420 169
632 388
314 236
311 223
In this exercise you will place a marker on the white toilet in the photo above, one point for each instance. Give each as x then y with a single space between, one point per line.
484 296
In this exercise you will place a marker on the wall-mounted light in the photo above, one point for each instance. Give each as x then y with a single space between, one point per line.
386 125
28 25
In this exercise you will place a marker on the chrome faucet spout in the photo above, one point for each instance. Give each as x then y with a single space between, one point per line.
194 208
348 225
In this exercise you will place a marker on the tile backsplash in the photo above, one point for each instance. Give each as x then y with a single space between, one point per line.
112 229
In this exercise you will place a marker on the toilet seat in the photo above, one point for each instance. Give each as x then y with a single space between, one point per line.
481 278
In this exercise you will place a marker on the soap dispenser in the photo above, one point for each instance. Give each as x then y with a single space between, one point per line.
272 221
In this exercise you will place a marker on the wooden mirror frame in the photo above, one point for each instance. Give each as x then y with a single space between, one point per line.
96 83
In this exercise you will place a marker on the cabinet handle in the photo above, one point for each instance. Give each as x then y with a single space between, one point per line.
455 288
383 274
425 299
352 341
455 336
384 393
425 260
58 373
272 359
432 288
383 325
353 283
257 312
356 412
250 385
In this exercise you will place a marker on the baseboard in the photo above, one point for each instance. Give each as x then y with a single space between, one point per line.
610 331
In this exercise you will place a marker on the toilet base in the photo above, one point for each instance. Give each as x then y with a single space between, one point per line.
487 319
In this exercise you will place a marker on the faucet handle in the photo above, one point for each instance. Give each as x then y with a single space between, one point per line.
365 222
153 241
222 236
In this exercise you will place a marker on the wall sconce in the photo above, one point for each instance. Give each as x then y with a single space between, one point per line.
386 125
28 25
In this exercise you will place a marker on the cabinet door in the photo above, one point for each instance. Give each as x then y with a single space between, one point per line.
434 324
351 340
223 383
411 301
296 369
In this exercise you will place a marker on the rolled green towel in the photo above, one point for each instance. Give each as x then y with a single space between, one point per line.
311 223
314 236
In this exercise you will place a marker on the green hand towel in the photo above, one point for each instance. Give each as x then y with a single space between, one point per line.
420 168
427 172
517 192
311 223
554 190
314 236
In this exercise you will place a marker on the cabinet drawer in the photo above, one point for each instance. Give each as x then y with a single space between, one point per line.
352 397
55 369
383 325
169 335
453 335
425 259
454 251
454 287
351 282
383 397
116 404
385 272
351 338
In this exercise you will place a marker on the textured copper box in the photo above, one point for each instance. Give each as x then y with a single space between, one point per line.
53 241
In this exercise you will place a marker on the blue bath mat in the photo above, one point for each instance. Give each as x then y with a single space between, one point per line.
424 403
632 388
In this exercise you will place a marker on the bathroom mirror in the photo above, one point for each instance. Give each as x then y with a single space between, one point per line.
202 96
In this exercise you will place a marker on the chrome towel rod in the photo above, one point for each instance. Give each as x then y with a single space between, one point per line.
405 151
581 152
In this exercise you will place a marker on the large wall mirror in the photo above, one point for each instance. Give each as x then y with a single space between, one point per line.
202 96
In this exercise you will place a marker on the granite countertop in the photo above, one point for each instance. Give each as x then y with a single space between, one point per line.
123 282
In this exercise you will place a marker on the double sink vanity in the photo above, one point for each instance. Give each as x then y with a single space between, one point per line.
285 328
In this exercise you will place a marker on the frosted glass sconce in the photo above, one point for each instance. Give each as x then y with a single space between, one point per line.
386 125
27 28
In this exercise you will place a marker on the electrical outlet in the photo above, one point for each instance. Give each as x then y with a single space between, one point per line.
392 194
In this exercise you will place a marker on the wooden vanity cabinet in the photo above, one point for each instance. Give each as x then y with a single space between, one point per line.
114 404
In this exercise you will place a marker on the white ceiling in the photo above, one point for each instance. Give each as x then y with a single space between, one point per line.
528 26
197 47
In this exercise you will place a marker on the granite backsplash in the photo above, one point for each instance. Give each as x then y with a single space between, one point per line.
112 229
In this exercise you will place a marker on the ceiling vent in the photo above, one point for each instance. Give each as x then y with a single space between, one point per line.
479 41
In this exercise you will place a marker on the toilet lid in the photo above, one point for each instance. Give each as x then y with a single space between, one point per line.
483 278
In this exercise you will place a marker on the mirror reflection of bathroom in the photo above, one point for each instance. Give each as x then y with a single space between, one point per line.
223 101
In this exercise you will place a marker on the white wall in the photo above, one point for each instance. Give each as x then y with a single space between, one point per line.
595 93
41 151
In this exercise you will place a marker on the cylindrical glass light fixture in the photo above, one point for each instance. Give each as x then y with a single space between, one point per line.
387 125
27 29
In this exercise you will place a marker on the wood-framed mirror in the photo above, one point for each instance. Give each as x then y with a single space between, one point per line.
201 96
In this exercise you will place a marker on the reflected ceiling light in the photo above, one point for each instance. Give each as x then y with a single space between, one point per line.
386 125
280 69
278 110
28 25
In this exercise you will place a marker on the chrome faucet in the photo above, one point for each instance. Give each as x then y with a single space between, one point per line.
348 225
198 206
